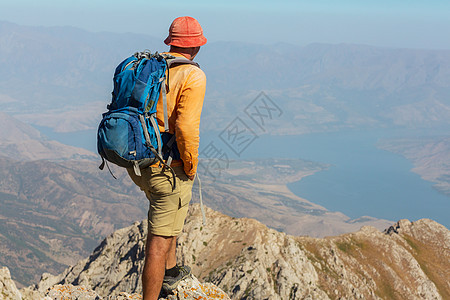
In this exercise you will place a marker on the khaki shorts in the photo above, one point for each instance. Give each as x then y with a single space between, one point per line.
168 209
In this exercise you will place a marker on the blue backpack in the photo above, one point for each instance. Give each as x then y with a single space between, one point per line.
128 134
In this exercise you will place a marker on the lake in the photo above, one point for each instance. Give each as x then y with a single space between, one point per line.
363 180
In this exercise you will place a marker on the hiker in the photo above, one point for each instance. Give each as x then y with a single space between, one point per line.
168 207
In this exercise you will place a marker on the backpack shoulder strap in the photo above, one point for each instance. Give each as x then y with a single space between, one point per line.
173 61
180 61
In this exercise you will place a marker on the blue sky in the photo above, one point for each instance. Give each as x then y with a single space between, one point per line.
404 24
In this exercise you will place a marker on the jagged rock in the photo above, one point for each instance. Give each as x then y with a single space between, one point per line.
188 289
370 264
115 266
8 289
192 289
70 292
125 296
247 260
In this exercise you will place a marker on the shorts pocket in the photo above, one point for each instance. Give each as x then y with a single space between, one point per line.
161 183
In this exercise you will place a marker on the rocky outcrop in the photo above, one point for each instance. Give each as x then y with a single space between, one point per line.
8 289
249 260
410 260
115 266
188 289
395 264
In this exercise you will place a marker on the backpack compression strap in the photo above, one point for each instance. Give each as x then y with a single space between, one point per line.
157 155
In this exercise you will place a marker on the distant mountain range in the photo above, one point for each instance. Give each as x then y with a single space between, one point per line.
61 77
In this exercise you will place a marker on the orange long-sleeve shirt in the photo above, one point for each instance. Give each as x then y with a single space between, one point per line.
187 84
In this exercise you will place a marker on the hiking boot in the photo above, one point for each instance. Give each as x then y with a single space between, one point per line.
170 283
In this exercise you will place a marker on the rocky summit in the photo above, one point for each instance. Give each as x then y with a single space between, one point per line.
246 260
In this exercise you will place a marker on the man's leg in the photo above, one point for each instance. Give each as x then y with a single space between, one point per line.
166 217
172 255
156 254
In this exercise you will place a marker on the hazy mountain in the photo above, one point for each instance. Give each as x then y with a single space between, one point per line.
50 71
60 66
430 156
250 261
20 141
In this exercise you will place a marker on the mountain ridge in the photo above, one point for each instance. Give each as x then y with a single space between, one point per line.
253 262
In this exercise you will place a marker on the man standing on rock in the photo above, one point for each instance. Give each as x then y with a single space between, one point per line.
168 208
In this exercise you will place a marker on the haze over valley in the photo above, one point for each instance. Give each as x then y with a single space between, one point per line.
319 87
